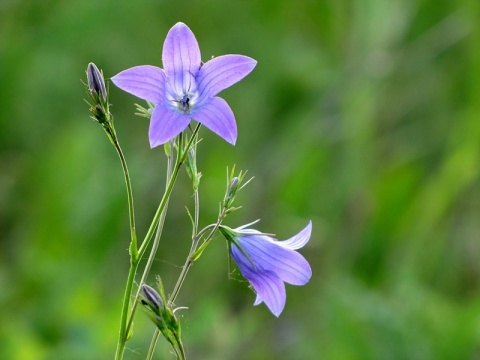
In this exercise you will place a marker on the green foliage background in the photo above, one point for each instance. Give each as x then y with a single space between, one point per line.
363 116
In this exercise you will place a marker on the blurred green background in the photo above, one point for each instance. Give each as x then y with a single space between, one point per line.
363 116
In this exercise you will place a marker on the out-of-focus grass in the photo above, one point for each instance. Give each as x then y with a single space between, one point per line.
362 116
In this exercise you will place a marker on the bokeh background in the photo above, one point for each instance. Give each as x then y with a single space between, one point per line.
363 116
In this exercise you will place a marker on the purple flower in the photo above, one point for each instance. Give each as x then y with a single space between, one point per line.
268 263
185 88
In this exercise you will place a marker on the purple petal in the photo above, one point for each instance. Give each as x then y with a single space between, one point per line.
266 254
268 286
146 82
181 56
165 124
222 72
298 241
270 290
218 117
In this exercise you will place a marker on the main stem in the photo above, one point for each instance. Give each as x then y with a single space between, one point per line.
133 243
153 251
123 337
135 260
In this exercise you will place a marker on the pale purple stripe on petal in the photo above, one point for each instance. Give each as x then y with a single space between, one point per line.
181 56
146 82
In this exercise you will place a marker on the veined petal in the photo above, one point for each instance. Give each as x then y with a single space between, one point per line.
146 82
298 241
181 56
222 72
218 117
271 290
289 265
269 287
165 124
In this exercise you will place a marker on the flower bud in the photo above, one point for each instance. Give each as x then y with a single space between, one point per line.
234 185
96 83
231 191
151 297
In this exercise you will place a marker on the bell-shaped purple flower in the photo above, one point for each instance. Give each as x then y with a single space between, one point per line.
186 89
268 263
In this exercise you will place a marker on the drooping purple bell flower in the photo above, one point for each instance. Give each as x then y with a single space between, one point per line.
268 263
186 89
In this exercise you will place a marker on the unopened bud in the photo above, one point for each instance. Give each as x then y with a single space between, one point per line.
231 191
234 184
151 296
96 84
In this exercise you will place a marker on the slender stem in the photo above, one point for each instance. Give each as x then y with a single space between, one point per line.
124 329
178 164
153 344
128 185
156 242
133 246
190 259
123 336
180 348
197 211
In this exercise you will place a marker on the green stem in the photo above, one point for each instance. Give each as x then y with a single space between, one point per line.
153 251
189 262
123 335
153 344
197 211
180 349
131 212
124 329
133 243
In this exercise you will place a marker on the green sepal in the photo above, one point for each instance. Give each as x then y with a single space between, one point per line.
230 236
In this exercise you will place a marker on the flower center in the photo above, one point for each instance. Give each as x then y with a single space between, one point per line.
183 97
184 103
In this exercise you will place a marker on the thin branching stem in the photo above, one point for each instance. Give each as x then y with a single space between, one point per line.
128 185
133 245
153 344
193 248
156 242
124 330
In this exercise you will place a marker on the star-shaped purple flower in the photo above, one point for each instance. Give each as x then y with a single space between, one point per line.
268 263
185 88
